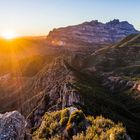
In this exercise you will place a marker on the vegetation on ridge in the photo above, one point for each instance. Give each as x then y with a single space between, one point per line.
78 126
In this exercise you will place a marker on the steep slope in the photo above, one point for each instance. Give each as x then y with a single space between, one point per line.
20 53
91 33
61 85
17 84
122 56
118 67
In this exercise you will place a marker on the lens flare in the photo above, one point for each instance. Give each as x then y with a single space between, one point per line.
8 35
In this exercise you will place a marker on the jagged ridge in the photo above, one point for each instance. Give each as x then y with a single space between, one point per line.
93 32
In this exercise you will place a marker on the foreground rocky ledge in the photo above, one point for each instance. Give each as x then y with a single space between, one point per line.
12 126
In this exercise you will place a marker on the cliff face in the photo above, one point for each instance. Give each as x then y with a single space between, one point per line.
93 32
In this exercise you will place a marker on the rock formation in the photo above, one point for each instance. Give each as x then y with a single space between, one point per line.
12 126
93 32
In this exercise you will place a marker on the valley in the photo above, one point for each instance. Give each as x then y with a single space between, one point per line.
79 82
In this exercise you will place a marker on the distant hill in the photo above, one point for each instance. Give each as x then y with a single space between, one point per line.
122 56
89 33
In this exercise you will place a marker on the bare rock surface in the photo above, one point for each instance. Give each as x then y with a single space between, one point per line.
93 32
12 126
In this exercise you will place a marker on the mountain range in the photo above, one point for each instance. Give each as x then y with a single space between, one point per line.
93 32
80 82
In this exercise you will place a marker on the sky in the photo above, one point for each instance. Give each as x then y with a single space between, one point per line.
38 17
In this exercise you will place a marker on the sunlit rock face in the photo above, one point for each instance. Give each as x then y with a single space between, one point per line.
57 85
12 126
93 32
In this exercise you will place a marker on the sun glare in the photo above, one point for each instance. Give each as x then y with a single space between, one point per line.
8 35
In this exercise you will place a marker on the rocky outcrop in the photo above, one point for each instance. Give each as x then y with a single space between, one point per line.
56 83
117 84
12 126
93 32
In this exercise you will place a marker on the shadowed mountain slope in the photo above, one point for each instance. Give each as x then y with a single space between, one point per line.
123 55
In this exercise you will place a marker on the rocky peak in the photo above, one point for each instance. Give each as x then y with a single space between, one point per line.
122 26
115 21
92 23
91 33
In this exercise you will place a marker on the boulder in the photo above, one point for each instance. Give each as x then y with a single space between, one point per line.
12 126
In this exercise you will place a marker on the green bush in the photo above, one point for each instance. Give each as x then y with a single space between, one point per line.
63 121
65 113
103 123
69 130
57 115
102 129
116 133
77 126
76 117
44 133
48 127
81 125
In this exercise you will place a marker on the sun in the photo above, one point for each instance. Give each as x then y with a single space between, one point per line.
9 35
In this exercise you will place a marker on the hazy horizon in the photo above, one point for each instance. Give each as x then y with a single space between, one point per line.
37 18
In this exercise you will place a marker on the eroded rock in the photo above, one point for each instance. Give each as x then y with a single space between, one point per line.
12 126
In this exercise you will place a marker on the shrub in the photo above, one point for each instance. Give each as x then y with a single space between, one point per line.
88 128
63 121
76 117
102 129
116 133
48 127
65 113
102 123
54 126
79 136
57 115
81 125
69 130
64 117
44 133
